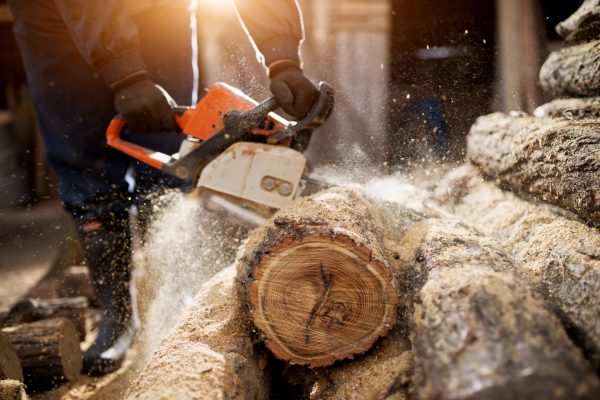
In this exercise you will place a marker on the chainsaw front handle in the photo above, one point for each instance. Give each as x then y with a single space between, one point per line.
151 157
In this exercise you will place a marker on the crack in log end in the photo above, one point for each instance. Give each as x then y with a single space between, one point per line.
328 284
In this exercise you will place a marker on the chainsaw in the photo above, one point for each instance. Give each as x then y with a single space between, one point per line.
237 148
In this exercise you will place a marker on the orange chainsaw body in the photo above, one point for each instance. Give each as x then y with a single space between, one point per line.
202 121
206 118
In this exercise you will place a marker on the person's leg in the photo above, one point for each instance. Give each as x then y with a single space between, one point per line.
74 107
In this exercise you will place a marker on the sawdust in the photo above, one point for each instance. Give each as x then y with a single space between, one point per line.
185 246
209 355
383 373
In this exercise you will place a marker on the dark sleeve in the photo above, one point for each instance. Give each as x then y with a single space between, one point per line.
275 27
105 35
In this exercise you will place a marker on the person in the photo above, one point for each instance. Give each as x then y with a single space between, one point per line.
88 60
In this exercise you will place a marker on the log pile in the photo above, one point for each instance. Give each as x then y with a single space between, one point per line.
489 288
533 183
459 305
48 350
41 333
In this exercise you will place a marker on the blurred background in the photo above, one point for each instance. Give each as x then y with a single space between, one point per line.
411 76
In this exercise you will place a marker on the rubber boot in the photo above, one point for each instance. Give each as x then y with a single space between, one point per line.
107 250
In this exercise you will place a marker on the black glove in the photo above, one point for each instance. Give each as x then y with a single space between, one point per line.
146 107
294 92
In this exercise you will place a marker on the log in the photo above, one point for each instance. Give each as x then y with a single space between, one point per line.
49 351
572 71
317 280
472 313
30 310
570 108
557 255
210 354
75 281
385 372
583 25
10 366
12 390
551 160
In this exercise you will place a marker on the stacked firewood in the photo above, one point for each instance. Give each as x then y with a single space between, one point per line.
486 287
41 334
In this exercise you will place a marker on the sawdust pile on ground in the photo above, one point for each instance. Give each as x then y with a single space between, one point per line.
203 356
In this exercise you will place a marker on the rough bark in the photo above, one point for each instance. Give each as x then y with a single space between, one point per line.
10 366
12 390
552 160
49 351
570 108
573 71
30 310
210 354
317 279
583 25
558 256
479 333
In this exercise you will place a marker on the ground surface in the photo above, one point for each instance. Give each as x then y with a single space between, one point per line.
30 241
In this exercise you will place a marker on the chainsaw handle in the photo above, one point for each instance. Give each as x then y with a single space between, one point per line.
315 118
153 158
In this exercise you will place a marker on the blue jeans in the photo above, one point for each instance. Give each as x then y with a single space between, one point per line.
74 105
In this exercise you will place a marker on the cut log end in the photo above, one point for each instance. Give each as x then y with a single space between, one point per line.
317 280
49 351
334 300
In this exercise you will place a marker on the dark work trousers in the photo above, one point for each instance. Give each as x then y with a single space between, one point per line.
74 105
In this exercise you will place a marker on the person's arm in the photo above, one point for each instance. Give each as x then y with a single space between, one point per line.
276 30
275 26
105 35
108 40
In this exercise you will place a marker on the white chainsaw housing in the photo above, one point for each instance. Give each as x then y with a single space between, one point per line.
264 174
